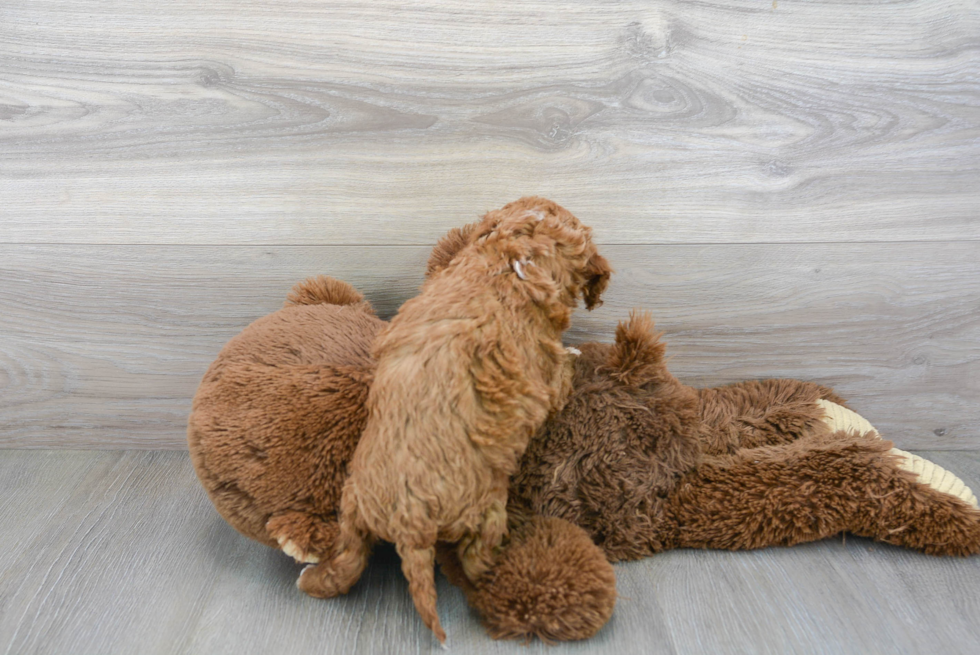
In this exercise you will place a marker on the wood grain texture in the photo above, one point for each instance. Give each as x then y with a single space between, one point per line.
104 346
383 122
793 186
121 552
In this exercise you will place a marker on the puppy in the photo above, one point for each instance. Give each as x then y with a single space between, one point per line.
466 373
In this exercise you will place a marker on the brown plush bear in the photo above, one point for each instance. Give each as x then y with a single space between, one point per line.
644 464
635 463
279 413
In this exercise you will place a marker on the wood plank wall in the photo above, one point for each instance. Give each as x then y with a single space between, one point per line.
792 188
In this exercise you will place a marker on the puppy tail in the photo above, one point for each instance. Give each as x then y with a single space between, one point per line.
323 290
418 565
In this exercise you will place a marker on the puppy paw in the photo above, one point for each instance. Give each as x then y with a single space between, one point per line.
573 351
299 581
335 576
317 580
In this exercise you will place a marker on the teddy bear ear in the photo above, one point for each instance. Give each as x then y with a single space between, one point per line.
323 290
638 352
448 246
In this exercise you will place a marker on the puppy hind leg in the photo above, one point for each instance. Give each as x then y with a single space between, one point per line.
305 537
335 577
418 565
478 552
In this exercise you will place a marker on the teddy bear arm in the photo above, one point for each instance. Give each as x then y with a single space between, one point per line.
759 413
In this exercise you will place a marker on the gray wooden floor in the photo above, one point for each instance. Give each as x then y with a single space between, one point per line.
121 552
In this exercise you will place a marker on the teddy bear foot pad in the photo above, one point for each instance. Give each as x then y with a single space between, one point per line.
927 472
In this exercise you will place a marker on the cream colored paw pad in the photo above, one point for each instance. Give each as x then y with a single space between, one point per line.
841 418
294 551
936 476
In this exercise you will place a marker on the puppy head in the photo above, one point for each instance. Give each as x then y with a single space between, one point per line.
543 242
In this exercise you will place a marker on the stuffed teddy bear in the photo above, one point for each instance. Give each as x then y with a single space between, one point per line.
634 464
279 413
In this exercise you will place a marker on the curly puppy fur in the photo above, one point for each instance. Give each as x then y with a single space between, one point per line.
466 372
278 415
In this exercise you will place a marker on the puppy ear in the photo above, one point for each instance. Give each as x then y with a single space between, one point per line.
597 273
638 352
448 247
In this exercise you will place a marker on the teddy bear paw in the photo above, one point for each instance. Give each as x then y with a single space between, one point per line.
840 418
928 473
289 547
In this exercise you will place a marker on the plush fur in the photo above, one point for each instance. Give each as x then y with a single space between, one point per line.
636 461
751 466
466 373
550 581
278 414
644 463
